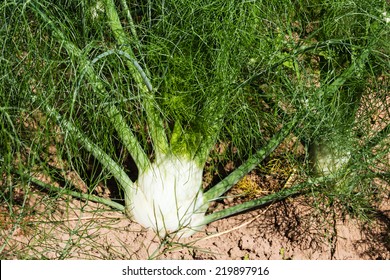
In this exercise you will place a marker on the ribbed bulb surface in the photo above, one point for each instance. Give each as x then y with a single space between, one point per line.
169 198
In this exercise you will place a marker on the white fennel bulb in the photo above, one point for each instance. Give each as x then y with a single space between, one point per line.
169 198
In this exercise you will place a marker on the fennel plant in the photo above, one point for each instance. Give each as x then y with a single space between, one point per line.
341 71
149 89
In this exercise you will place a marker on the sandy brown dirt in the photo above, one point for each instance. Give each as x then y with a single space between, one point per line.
292 229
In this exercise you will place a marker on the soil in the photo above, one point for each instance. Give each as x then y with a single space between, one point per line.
291 229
